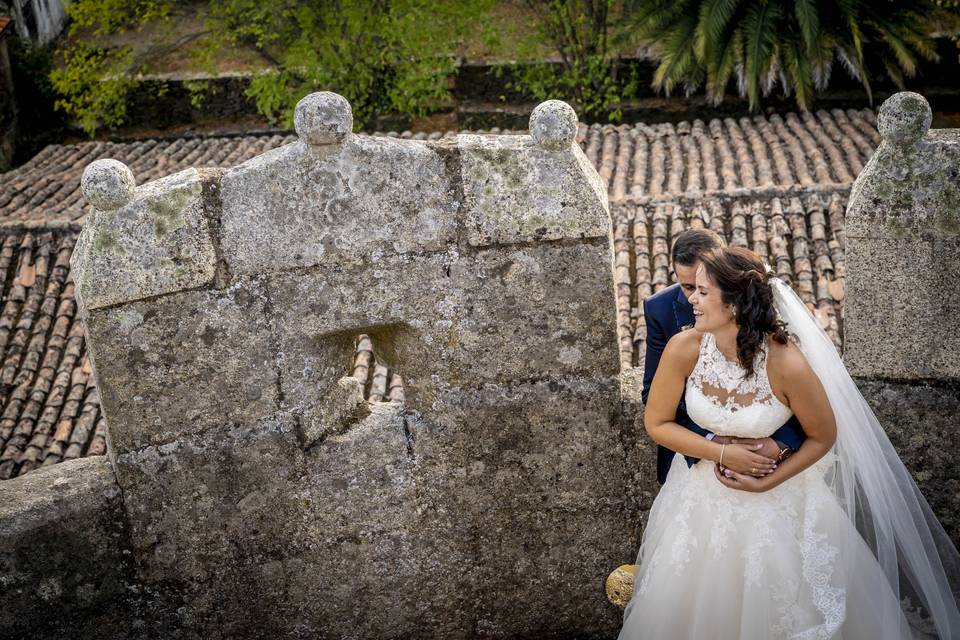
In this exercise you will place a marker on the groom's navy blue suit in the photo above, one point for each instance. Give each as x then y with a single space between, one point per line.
666 311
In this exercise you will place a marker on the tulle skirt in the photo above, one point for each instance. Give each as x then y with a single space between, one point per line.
787 563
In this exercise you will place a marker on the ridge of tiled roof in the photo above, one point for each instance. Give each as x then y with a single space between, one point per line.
776 184
634 160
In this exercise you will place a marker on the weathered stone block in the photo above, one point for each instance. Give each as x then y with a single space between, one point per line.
903 235
318 314
300 206
64 556
159 242
183 363
517 465
261 535
553 317
516 191
920 420
547 310
894 326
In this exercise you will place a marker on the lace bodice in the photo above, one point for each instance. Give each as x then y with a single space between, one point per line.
721 400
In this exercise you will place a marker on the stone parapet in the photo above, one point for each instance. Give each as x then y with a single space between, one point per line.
221 310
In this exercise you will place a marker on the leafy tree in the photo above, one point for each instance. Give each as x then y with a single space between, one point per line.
93 82
382 55
795 43
588 75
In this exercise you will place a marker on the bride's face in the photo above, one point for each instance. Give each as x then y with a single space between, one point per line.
709 311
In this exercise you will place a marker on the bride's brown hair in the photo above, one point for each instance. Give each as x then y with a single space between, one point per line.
744 282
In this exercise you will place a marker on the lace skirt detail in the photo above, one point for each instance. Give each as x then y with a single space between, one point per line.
726 564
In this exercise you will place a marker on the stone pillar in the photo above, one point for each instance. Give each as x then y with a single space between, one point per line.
903 250
903 265
265 496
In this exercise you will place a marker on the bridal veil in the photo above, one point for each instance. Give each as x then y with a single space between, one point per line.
877 492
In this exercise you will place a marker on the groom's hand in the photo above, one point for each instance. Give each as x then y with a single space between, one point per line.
769 448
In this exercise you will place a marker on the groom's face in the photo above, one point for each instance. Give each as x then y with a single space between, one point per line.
687 277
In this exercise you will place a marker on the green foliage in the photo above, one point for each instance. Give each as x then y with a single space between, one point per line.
93 82
199 90
587 75
110 16
93 86
795 43
384 55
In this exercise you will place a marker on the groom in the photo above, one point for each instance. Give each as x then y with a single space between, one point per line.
667 312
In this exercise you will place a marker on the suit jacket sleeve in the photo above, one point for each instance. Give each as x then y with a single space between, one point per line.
656 342
791 434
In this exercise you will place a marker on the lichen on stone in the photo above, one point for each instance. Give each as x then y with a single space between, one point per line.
910 185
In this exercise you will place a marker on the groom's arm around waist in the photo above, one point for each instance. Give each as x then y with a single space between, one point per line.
791 433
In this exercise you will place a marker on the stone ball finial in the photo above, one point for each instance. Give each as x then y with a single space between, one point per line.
904 117
553 125
107 184
323 117
620 584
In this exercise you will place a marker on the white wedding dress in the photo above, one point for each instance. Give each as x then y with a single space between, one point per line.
720 563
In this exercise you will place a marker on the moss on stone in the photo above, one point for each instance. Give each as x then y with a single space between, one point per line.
168 210
107 242
907 180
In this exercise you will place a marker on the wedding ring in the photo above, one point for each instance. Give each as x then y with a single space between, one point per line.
753 469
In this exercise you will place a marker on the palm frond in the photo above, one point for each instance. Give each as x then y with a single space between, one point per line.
794 44
894 72
759 24
799 71
808 19
678 60
714 16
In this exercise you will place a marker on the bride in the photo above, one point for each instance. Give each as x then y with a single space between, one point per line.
838 543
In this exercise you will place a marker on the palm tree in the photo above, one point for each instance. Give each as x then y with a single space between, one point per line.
795 42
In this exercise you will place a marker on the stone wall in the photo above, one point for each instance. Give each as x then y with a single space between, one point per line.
65 564
220 310
903 252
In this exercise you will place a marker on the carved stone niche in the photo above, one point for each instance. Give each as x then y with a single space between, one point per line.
265 495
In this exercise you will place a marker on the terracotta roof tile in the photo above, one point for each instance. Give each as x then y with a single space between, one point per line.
800 234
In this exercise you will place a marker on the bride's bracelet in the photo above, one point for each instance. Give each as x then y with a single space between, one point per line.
721 454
